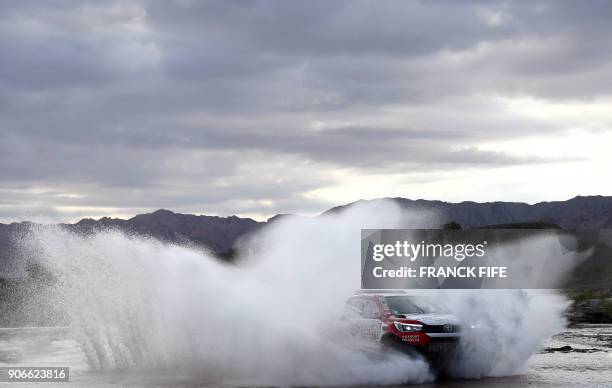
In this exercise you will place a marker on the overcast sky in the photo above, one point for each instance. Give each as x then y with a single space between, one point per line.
257 108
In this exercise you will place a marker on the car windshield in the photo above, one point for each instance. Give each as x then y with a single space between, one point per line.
399 305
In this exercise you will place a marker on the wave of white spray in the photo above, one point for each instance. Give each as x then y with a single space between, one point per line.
509 326
138 304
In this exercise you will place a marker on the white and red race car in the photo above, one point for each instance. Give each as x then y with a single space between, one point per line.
401 321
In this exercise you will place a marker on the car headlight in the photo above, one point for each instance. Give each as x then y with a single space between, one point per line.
408 327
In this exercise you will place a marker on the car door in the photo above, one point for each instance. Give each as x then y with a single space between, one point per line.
362 319
370 323
353 315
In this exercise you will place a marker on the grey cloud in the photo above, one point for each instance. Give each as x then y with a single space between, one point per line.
200 105
334 28
252 192
211 153
32 63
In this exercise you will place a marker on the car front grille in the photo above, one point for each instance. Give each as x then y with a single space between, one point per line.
448 328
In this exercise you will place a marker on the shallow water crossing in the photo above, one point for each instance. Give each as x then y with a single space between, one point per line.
576 357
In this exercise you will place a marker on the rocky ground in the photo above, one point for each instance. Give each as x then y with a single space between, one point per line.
590 306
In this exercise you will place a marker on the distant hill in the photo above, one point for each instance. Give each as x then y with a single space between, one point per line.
23 282
220 234
216 234
593 212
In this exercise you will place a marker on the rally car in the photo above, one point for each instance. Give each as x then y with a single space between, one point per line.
401 321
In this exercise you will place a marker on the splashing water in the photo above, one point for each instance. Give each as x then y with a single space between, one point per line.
138 304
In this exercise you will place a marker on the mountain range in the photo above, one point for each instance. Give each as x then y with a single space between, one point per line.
220 234
25 285
590 212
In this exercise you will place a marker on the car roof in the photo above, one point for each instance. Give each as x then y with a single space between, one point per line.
381 293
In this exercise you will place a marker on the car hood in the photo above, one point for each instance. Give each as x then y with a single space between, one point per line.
432 319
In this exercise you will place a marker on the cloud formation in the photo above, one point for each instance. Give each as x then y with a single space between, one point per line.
261 107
